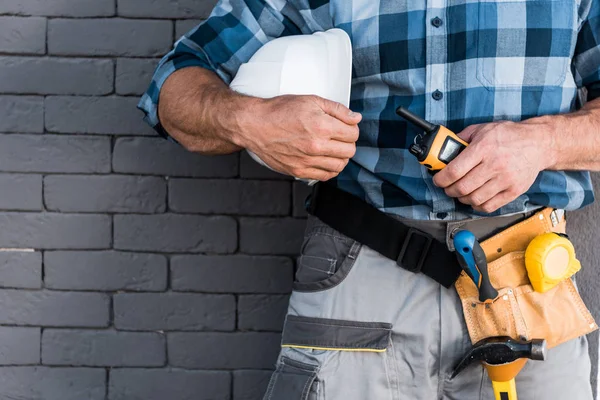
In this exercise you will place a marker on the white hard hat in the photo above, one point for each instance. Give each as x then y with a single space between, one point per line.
318 64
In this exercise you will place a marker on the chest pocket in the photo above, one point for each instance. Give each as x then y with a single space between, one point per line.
525 44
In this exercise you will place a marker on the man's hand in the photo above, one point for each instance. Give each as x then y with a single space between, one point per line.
501 162
304 136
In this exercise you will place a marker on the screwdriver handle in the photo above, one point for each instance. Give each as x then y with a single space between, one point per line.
486 291
471 258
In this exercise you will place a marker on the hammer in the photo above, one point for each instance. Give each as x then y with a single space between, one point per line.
503 358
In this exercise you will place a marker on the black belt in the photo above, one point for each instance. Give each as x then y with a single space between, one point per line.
413 250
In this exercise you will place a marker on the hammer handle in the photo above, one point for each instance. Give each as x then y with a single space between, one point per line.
505 390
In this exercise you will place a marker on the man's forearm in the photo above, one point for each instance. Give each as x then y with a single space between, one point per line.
574 139
199 111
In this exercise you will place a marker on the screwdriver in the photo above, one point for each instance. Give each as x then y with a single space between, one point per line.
471 258
436 146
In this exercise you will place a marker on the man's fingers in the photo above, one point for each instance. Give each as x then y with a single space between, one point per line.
500 200
458 168
468 132
344 133
329 164
316 173
338 111
333 148
473 180
320 168
484 194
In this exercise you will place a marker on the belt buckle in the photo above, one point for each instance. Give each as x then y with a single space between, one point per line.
409 235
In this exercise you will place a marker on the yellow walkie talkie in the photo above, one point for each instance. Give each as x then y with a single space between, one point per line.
436 146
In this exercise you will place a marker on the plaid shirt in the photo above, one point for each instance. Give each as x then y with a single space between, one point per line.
455 63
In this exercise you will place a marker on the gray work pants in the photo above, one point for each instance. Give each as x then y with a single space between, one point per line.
360 327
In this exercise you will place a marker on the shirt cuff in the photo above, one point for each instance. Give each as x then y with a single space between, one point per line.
149 101
593 91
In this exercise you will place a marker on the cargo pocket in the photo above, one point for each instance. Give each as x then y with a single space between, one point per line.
321 358
293 380
558 315
326 257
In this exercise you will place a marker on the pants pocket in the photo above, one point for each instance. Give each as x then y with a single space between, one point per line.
326 257
557 315
293 380
334 359
331 334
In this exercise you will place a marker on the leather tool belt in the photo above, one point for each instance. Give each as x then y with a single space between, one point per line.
518 311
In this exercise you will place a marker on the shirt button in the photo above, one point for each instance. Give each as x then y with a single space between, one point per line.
437 95
442 215
437 22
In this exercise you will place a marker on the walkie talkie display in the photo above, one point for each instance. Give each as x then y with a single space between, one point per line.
436 146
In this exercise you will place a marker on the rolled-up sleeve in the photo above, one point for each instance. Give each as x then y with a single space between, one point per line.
234 31
586 60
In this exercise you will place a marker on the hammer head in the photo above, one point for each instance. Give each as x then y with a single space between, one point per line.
502 350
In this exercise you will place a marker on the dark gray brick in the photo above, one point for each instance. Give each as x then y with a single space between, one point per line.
159 384
162 9
21 269
54 231
108 115
103 348
54 153
134 75
224 196
22 35
174 311
110 193
47 308
19 346
262 313
156 156
253 170
59 8
301 192
252 350
109 37
271 235
23 114
250 385
184 26
43 383
104 270
35 75
232 274
174 233
20 192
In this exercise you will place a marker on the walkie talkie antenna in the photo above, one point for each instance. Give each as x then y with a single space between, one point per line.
416 120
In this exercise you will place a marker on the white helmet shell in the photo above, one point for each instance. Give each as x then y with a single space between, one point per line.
318 64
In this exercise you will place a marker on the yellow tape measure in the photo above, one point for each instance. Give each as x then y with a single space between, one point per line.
549 259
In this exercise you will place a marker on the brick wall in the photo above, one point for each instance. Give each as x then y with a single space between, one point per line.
153 273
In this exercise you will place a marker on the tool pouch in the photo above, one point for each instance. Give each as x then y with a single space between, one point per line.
557 315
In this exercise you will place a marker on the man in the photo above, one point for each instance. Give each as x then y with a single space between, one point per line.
505 74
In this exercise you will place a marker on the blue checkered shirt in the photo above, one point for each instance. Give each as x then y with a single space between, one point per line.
455 63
